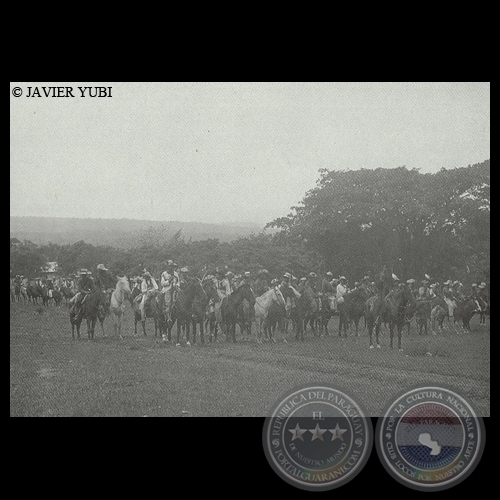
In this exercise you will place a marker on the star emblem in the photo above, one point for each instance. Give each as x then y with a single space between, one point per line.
337 433
317 433
297 433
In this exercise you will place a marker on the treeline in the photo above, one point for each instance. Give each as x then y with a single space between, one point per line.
251 253
352 223
414 223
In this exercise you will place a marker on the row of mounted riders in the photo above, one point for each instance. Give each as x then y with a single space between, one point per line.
199 305
40 294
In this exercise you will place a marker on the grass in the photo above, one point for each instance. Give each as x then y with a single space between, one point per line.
52 375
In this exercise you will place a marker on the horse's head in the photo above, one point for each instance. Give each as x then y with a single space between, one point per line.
123 285
278 297
245 292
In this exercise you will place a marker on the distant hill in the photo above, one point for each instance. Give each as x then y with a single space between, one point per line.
121 233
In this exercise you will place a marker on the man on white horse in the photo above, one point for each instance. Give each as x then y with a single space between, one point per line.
169 280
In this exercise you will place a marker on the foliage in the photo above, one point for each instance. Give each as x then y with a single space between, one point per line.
414 223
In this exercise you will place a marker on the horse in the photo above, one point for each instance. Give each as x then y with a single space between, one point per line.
151 310
32 293
198 309
354 308
229 308
244 319
67 293
423 311
376 305
465 311
400 309
438 314
89 309
262 305
117 303
213 300
57 297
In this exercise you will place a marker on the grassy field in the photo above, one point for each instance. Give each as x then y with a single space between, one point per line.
52 375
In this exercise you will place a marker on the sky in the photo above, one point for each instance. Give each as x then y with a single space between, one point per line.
232 153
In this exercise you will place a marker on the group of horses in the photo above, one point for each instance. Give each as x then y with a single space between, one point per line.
36 293
198 307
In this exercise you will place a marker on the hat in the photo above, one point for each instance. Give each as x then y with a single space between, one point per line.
474 284
209 277
456 282
411 280
274 281
247 274
366 278
101 266
425 281
329 273
170 262
184 270
433 285
287 275
312 275
229 273
447 282
146 273
294 278
303 279
342 278
482 285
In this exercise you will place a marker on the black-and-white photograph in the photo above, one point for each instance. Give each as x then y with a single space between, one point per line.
201 249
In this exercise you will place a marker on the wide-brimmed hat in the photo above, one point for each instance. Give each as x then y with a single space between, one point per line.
229 273
329 273
303 279
410 281
448 282
184 270
287 275
274 281
366 278
482 285
247 274
342 278
102 267
170 262
425 281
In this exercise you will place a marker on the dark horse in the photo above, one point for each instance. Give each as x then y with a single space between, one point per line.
90 309
376 306
151 310
354 307
229 309
212 299
188 301
465 311
401 305
198 309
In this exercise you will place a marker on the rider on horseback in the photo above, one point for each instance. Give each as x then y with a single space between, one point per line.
85 286
148 285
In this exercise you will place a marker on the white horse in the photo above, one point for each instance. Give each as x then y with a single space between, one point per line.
117 303
262 306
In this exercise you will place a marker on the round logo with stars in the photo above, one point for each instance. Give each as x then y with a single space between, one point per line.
317 437
430 438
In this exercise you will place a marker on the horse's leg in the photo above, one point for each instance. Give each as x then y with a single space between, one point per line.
391 333
143 323
194 327
377 333
400 334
